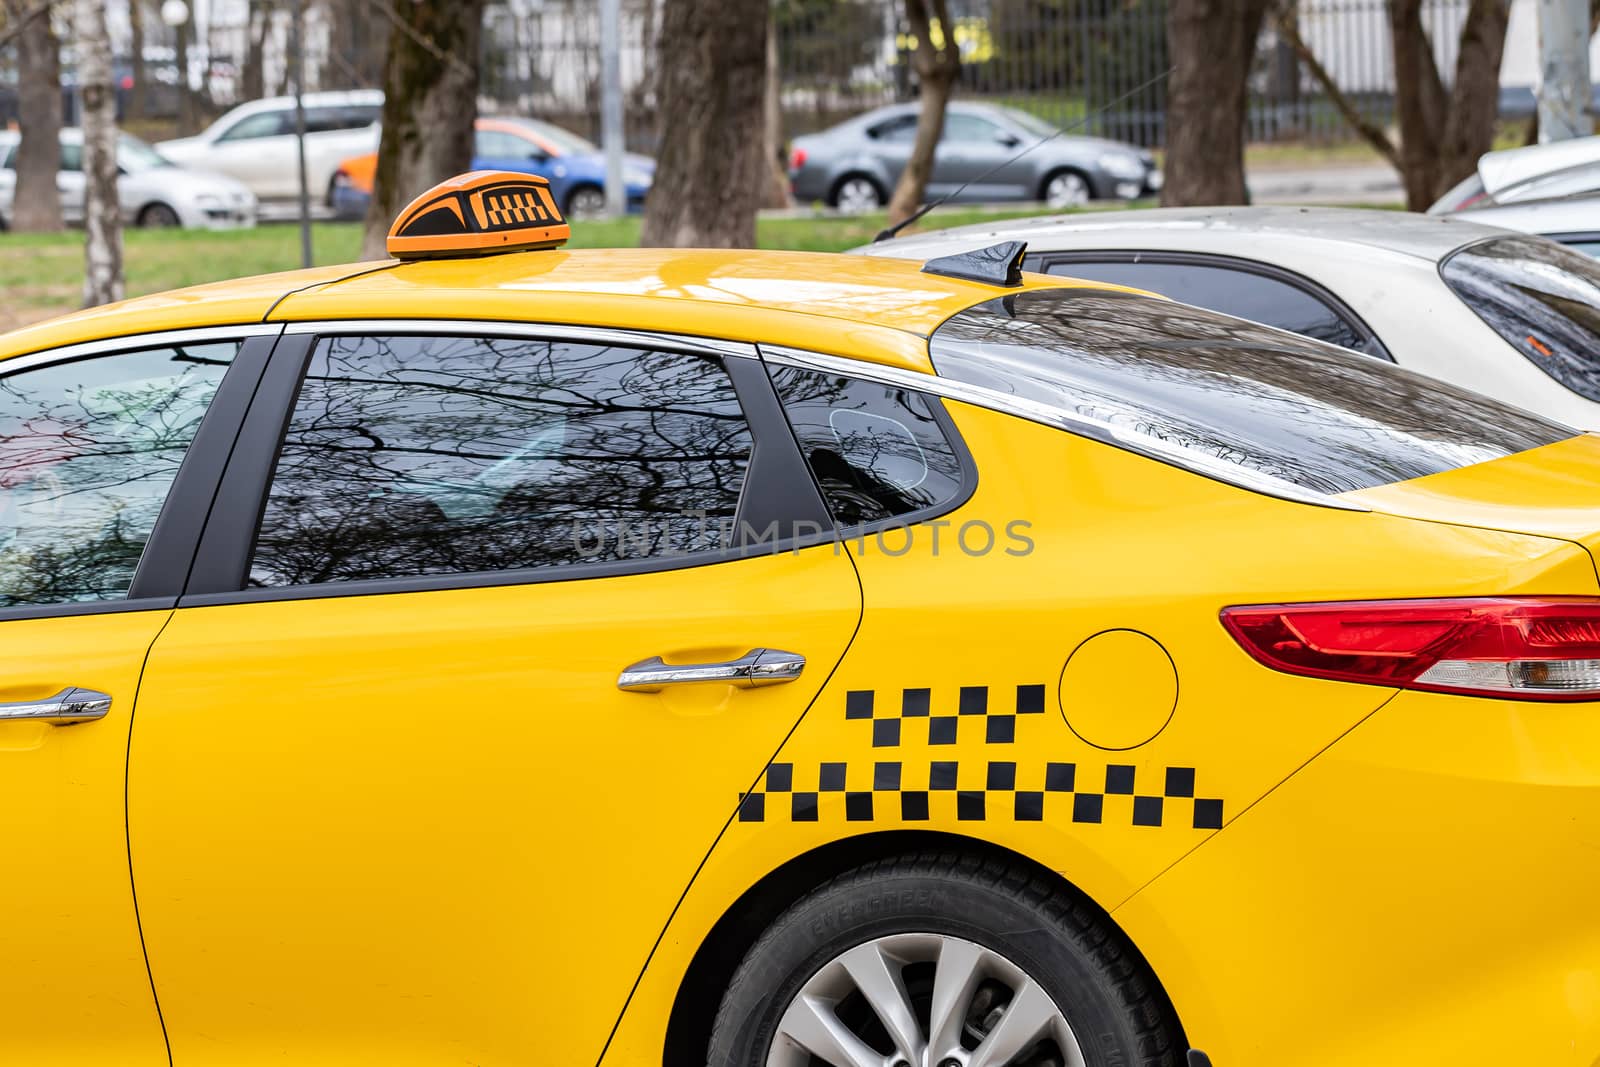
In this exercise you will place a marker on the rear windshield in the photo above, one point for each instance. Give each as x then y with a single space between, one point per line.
1541 297
1220 395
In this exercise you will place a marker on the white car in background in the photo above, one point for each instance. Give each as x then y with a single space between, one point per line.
1534 172
1508 314
255 142
151 190
1572 220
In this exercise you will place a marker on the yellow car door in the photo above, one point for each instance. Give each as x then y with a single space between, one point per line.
472 671
97 529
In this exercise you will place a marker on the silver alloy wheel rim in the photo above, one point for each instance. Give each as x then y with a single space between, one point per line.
981 1010
1067 190
857 195
159 217
587 204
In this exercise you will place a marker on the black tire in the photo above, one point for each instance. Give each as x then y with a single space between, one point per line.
834 194
1116 1009
158 216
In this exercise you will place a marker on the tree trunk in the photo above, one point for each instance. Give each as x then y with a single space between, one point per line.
181 57
937 69
775 187
1212 43
711 77
102 279
430 82
139 99
1442 133
258 21
37 203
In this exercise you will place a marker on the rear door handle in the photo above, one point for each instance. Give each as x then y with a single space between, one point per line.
758 667
68 706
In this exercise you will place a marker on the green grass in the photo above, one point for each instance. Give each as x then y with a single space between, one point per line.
42 274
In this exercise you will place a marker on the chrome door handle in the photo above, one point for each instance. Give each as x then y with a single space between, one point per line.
68 706
758 667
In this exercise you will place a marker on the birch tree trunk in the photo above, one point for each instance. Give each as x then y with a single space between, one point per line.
711 80
937 67
102 218
36 206
430 84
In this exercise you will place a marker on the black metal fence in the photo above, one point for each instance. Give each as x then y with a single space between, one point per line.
1084 62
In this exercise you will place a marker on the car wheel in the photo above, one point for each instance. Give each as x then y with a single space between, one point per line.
857 193
158 216
940 960
586 202
1066 188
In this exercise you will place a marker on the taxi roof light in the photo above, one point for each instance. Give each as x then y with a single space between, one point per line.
479 213
1522 648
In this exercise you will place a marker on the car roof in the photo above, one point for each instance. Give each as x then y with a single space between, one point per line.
880 310
1510 166
329 98
1215 228
1567 214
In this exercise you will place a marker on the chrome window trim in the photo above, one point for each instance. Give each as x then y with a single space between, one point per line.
132 342
534 330
1044 414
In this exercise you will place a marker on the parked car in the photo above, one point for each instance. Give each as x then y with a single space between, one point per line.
575 167
1514 316
255 142
854 166
152 190
1571 220
765 659
1535 172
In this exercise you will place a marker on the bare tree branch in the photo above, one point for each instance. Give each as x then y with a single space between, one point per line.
19 21
1369 131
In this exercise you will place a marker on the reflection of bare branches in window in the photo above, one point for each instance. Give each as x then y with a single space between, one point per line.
428 455
88 450
1319 417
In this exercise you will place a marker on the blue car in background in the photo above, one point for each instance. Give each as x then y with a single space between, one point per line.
576 169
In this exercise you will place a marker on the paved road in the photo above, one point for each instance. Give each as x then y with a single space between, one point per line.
1367 184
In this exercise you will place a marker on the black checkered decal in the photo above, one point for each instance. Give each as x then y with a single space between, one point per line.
976 790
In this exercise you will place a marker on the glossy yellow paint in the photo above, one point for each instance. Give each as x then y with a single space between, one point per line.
73 986
428 827
1119 542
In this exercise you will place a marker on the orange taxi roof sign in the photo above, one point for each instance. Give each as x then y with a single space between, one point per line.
478 213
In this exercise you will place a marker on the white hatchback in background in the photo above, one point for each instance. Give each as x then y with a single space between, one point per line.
1507 314
151 190
1533 172
255 142
1572 220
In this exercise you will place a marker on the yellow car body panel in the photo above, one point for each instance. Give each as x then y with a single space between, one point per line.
365 827
71 965
228 303
842 305
1120 543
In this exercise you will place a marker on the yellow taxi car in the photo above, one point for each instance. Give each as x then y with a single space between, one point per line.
756 658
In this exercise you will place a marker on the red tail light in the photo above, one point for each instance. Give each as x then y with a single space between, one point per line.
1525 648
797 159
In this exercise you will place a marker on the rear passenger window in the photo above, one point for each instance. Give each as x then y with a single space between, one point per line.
1241 293
877 452
411 456
88 451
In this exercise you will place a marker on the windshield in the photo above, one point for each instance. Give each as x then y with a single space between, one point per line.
134 156
565 142
1218 394
1033 124
1542 298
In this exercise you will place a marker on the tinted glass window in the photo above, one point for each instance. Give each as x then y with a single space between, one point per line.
962 127
1232 292
876 451
1542 298
901 128
1586 246
10 158
72 157
410 456
265 124
88 450
496 144
1222 394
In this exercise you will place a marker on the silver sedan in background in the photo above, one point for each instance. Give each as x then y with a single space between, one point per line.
854 166
152 190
